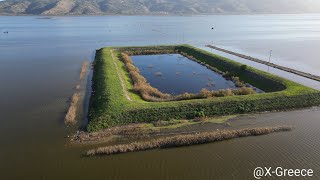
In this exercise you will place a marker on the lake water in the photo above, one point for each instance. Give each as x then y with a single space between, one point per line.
176 74
40 61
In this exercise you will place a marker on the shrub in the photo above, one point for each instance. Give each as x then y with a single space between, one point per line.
244 91
199 114
243 67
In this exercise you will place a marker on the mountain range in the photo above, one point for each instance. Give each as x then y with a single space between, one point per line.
156 7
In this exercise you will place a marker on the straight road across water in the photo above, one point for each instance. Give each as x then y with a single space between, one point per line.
297 72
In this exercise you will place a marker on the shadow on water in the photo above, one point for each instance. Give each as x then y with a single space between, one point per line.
86 101
87 83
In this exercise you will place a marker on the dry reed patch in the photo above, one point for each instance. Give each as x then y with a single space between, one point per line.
71 115
83 69
141 85
185 140
131 130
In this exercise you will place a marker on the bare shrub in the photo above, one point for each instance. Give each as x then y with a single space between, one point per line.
244 91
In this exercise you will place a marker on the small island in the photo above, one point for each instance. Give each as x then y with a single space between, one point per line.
125 93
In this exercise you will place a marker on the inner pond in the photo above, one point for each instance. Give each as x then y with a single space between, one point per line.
176 74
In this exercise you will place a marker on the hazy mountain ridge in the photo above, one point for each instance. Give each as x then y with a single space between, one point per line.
145 7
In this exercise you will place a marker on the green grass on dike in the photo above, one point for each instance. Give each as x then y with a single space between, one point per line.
109 106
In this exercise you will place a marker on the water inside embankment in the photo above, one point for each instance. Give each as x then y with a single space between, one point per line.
176 74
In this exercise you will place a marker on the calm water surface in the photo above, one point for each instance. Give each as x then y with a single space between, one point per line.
176 74
40 61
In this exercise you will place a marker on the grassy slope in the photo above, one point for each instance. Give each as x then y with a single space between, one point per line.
109 107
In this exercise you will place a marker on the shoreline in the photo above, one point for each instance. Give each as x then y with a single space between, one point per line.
160 15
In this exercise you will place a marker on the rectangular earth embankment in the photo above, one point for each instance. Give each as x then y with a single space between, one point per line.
112 84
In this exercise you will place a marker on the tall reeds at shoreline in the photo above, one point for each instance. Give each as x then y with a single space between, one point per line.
149 93
142 51
185 140
140 84
71 115
83 69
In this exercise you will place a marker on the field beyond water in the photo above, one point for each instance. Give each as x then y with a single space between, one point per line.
115 102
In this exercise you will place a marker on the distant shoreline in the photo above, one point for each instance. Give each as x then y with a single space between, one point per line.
160 15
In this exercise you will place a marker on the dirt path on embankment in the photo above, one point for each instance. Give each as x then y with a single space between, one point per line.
125 92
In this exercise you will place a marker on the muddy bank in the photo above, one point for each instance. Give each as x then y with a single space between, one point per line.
185 140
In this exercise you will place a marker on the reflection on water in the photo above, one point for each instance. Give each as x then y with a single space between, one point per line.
40 61
176 74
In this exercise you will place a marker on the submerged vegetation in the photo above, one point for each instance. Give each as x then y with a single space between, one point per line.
110 107
185 140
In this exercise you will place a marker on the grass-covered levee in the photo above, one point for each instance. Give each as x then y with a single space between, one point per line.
114 100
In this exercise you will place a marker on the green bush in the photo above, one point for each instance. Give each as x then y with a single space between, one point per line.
244 67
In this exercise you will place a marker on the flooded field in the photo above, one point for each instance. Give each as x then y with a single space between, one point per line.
40 65
176 74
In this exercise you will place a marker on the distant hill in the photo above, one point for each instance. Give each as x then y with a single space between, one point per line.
149 7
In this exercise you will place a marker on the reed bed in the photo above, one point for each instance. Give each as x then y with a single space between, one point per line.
149 93
143 51
185 140
70 117
140 84
83 69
